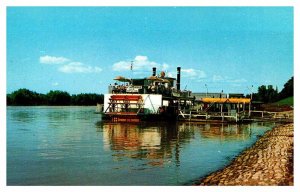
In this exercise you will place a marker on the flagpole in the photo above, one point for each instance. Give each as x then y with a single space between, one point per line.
131 67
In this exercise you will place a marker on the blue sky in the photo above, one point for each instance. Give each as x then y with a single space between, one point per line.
81 49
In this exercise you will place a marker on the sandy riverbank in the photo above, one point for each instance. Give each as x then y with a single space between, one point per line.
269 162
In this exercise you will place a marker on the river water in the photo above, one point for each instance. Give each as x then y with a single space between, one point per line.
72 146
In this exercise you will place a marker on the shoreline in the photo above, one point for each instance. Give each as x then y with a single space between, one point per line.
269 162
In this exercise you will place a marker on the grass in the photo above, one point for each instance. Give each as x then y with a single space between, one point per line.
287 101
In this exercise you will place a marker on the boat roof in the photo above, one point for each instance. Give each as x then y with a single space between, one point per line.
153 78
226 100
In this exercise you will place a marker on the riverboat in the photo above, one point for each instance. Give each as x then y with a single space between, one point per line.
152 98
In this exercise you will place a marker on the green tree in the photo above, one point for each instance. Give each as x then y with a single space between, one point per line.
87 99
288 89
262 92
266 94
272 94
58 98
8 99
25 97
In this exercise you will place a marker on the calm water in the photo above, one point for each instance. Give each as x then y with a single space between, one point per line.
71 146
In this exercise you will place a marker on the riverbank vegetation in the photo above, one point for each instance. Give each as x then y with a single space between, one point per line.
286 101
25 97
267 94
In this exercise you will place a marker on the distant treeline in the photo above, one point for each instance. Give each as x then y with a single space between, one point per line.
268 94
25 97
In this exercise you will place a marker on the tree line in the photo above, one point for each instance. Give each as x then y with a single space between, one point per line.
25 97
267 94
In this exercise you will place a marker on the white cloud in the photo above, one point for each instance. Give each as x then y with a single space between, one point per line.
77 67
55 84
227 79
217 78
193 73
139 63
237 80
189 72
121 66
165 66
141 58
69 66
170 74
142 65
53 60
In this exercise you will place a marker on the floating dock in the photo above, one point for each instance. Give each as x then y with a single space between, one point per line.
218 109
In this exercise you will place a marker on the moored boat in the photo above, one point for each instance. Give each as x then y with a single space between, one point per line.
151 98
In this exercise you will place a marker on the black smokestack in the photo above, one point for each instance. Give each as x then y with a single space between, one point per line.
154 71
178 78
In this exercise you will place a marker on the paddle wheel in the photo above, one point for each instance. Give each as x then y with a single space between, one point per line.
124 107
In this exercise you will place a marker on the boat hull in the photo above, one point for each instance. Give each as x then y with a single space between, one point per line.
123 117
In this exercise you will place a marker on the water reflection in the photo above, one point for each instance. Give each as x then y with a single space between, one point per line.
160 143
141 141
25 116
225 132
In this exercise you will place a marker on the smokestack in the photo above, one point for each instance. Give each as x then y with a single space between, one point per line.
178 78
154 71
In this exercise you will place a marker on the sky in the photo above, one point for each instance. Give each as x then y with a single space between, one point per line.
82 49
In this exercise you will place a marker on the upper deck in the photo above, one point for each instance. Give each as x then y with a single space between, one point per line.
151 85
160 84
